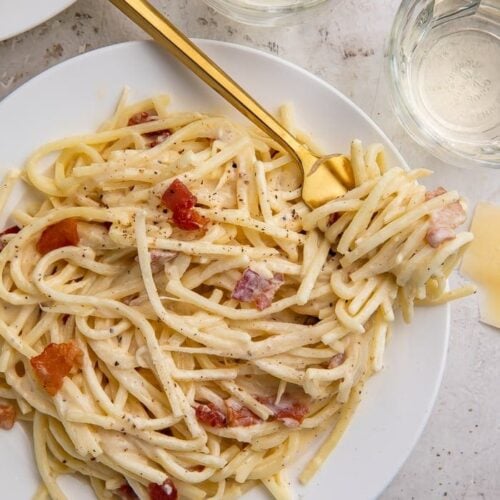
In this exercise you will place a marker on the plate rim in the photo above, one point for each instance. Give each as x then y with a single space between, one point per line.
23 28
445 334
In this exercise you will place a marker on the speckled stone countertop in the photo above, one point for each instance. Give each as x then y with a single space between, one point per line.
458 455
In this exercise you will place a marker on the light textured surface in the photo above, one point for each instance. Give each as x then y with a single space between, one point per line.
458 454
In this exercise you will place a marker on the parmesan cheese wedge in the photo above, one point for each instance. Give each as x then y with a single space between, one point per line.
481 262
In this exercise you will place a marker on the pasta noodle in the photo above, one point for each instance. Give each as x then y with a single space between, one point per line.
175 319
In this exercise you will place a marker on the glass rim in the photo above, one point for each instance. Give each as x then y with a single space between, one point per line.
286 7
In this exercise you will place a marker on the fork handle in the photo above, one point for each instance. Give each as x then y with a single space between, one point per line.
169 37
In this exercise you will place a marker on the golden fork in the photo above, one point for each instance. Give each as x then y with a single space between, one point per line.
325 177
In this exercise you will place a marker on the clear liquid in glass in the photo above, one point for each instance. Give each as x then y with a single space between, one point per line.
449 70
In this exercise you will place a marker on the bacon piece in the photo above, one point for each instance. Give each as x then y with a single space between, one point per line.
452 215
336 360
181 201
265 298
156 136
247 285
189 220
210 415
292 415
290 412
252 287
178 197
437 235
239 415
7 416
165 491
54 363
141 117
332 218
159 258
9 230
436 192
444 220
162 256
125 492
62 234
197 468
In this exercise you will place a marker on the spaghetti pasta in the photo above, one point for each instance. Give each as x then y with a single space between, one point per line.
211 317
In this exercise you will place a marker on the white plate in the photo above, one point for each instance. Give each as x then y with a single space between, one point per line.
77 95
18 16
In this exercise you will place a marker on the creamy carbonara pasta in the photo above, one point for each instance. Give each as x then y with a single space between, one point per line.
176 322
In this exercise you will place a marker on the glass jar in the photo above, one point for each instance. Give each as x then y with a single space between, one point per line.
444 73
267 12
